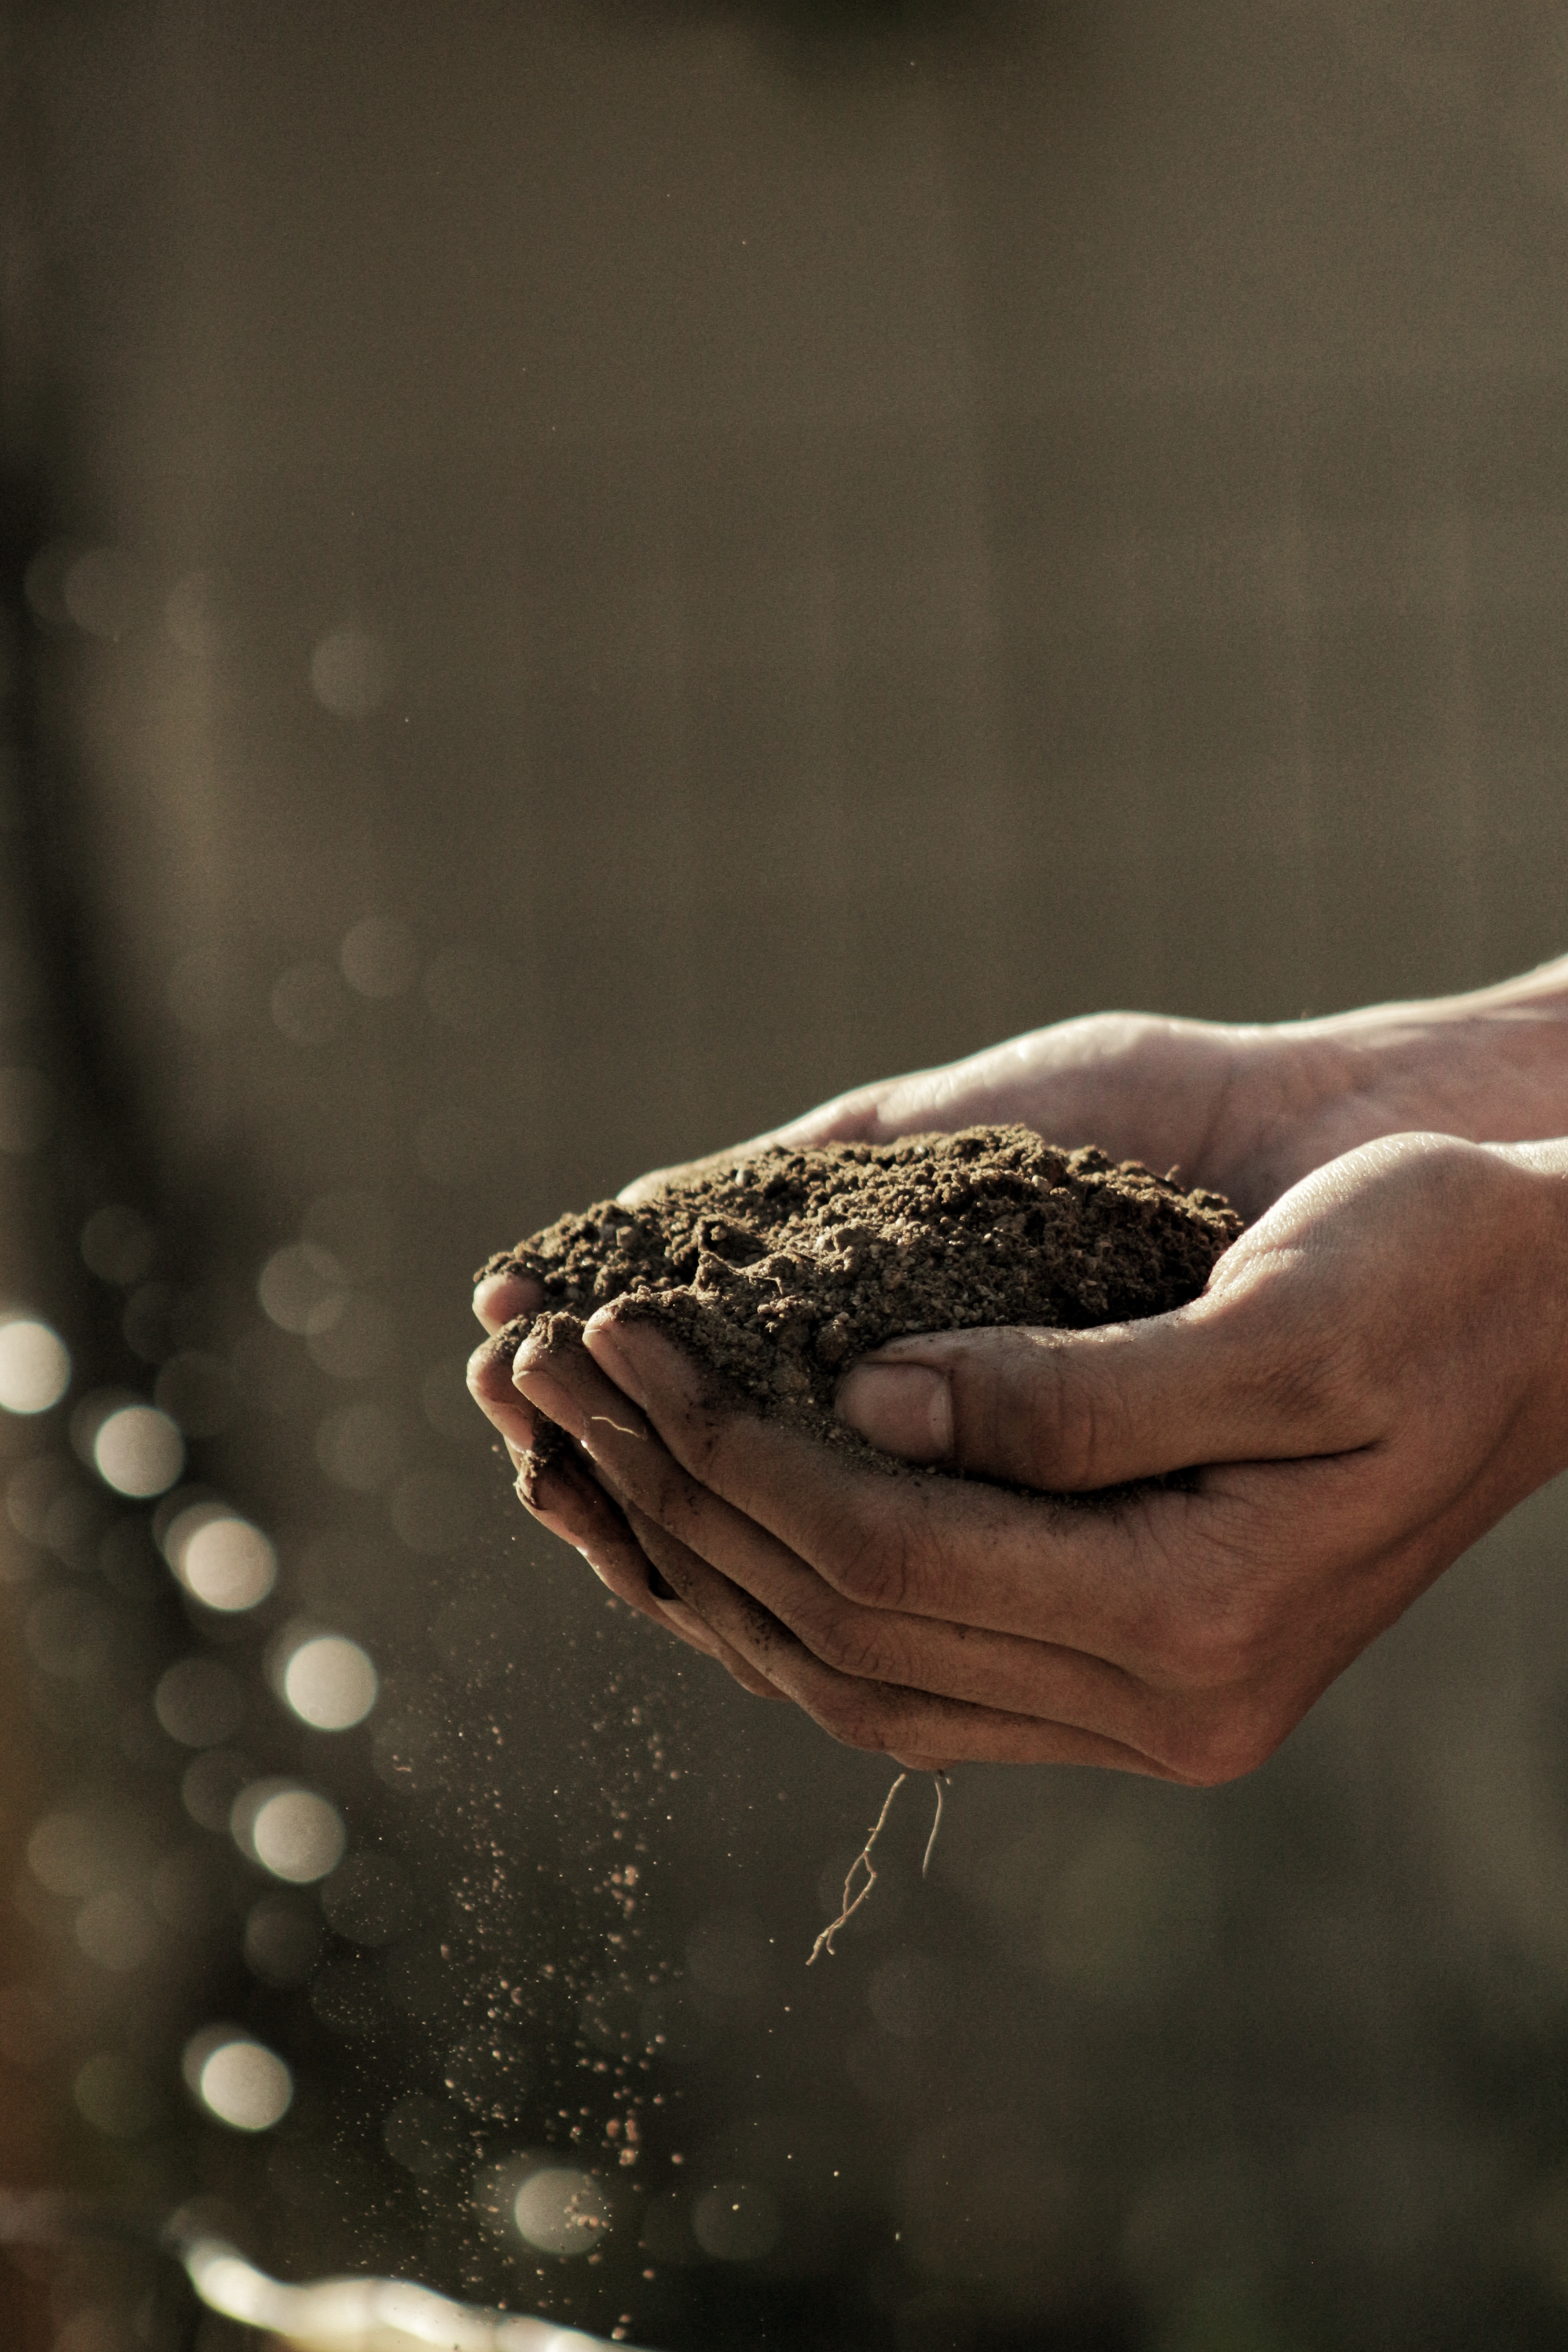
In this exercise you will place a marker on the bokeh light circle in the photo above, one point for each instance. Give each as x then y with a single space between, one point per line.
302 1288
34 1365
119 1244
138 1451
116 1931
562 2212
198 1702
350 673
239 2081
222 1559
291 1831
330 1683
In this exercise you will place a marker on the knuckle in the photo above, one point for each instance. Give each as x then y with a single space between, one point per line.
872 1558
1066 1418
1315 1361
850 1646
1317 1388
850 1716
1225 1743
1072 1429
1219 1648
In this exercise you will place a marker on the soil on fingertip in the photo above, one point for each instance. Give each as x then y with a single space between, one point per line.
777 1271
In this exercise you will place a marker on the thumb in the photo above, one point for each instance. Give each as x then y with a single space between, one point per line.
1065 1412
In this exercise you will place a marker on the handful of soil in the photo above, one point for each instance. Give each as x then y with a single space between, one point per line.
777 1271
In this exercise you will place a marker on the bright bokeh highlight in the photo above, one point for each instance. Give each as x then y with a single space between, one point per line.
138 1451
34 1365
297 1836
245 2084
222 1559
330 1683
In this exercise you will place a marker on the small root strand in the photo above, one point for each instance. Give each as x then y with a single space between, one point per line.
854 1896
938 1779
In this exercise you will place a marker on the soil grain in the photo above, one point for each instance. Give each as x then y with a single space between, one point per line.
778 1270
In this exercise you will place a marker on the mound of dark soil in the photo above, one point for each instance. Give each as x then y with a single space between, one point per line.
777 1271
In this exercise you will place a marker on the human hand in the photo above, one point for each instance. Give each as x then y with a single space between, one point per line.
563 1495
1244 1108
1152 1087
1372 1379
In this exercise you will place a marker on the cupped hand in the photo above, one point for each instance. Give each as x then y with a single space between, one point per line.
1248 1108
1372 1379
565 1494
1163 1091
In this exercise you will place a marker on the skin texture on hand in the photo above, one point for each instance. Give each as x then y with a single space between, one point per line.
1371 1379
1370 1382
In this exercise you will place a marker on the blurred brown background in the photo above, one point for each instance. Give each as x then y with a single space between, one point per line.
584 576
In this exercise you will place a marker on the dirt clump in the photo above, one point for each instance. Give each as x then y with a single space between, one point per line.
778 1270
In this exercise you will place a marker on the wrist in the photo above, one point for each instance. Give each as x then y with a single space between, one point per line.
1535 1213
1491 1067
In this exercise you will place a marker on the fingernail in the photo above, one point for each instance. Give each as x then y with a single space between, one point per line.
905 1409
603 1345
557 1402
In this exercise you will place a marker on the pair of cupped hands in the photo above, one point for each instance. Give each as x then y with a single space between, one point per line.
1374 1374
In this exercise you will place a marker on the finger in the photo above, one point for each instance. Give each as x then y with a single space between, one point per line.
567 1501
1185 1591
503 1405
553 1372
703 1637
563 1381
864 1714
849 1118
1020 1675
1017 1081
1068 1411
647 1188
501 1298
870 1114
612 1550
571 1503
749 1677
591 1477
1092 1579
922 1102
996 1085
558 1376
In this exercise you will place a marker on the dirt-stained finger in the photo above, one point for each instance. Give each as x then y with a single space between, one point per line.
501 1298
862 1714
1088 1577
503 1405
570 1505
